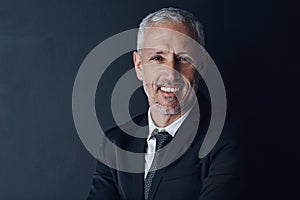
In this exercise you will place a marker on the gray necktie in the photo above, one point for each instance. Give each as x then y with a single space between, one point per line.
162 138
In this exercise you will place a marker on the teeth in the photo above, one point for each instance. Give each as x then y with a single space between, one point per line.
168 89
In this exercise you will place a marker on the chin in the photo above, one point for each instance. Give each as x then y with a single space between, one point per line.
167 110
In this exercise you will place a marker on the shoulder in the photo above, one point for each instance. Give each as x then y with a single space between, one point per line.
132 132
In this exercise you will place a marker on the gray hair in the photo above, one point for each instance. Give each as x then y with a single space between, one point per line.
173 15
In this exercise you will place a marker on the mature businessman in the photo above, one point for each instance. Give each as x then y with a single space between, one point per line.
166 63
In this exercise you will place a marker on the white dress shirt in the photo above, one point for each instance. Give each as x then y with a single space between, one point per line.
151 141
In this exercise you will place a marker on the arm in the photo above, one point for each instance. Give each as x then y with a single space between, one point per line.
224 180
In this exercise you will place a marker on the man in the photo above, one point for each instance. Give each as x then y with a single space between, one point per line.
167 61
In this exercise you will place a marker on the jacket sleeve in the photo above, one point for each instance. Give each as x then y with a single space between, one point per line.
103 185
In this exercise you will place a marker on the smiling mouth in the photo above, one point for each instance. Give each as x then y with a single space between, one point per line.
169 89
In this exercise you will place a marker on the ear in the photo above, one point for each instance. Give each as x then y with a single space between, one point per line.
138 65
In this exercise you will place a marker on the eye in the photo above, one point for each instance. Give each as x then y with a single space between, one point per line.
184 59
156 58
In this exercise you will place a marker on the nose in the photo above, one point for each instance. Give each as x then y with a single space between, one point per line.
172 68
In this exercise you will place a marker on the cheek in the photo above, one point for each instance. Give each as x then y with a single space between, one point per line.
150 88
189 77
152 77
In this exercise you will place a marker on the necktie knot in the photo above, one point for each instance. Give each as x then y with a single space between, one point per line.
162 139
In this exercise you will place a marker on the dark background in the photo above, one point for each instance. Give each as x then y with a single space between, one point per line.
43 43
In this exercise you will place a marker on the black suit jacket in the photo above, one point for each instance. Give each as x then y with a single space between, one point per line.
215 177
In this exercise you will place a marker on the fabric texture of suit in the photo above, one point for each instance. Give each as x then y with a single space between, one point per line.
214 177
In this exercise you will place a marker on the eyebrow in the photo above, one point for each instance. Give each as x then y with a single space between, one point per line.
183 52
165 52
160 52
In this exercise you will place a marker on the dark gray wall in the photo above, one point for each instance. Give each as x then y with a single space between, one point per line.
42 44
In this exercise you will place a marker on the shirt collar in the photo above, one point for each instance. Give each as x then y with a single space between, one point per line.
171 129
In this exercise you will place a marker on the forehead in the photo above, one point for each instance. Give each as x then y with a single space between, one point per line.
172 37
